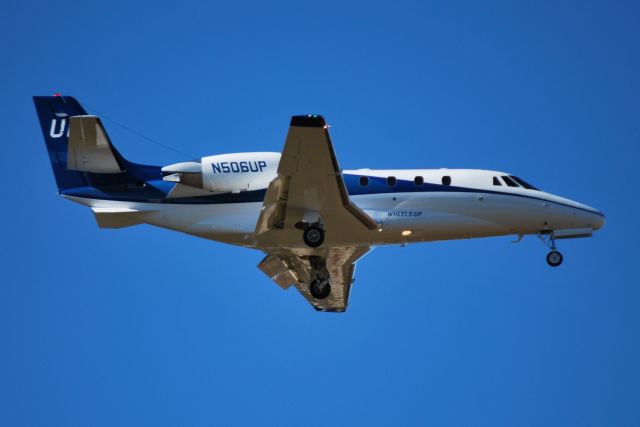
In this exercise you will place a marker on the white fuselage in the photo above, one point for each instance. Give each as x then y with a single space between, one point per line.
469 206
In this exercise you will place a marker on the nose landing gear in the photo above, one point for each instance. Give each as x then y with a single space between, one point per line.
554 258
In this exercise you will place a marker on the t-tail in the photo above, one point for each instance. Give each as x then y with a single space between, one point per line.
80 150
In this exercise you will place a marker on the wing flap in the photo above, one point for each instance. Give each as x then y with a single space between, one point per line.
278 271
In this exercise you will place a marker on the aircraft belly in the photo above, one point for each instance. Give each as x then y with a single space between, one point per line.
453 215
204 220
236 218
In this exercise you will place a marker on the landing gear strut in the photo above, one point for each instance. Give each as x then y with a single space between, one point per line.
320 288
554 258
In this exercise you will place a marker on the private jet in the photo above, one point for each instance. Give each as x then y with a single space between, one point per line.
312 220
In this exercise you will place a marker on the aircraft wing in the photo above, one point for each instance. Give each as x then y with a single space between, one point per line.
309 189
287 268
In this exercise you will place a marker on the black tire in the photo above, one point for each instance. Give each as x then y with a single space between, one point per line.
320 289
313 236
554 258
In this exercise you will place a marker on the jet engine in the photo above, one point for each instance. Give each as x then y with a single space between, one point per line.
225 173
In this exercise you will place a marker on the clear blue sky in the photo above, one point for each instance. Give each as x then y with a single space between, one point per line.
143 326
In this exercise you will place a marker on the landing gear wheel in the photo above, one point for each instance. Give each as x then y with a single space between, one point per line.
320 289
554 258
313 236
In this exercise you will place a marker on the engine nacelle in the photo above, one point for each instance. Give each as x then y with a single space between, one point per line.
239 171
225 173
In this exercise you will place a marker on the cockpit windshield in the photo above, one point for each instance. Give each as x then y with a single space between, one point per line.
524 183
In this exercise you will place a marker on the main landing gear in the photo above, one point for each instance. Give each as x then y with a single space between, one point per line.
320 288
313 236
554 258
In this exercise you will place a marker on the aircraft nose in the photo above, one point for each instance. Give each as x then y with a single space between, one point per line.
598 220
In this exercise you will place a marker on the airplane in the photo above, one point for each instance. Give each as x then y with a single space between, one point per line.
312 220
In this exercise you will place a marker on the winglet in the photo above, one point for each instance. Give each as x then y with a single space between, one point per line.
308 121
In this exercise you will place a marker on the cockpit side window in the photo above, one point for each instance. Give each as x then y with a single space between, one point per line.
524 183
364 181
509 181
496 181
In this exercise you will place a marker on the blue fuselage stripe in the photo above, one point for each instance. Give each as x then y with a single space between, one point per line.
156 192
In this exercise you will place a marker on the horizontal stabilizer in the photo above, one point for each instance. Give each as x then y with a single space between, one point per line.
117 217
89 147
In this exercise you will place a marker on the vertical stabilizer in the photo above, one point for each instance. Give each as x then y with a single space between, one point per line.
54 113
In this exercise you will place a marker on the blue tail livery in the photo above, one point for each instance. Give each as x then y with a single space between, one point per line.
94 162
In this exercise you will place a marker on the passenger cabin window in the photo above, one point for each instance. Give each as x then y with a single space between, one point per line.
496 181
510 182
524 183
446 180
391 181
418 180
364 181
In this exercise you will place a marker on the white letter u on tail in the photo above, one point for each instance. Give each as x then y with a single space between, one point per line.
52 131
